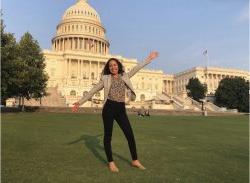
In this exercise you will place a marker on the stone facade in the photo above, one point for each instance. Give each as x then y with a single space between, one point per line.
78 55
207 75
80 50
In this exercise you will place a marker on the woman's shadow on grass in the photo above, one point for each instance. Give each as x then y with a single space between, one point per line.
93 144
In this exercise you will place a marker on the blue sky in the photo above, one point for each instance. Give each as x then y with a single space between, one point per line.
179 29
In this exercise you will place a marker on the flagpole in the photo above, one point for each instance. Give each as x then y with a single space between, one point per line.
205 53
207 58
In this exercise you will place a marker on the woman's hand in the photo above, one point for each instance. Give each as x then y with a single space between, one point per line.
152 55
75 107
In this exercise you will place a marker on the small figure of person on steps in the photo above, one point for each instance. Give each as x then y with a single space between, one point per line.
116 83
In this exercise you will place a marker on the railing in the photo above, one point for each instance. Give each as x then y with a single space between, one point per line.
194 102
213 107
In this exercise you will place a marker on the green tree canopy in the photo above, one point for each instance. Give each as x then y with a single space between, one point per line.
33 78
9 64
195 89
22 67
233 93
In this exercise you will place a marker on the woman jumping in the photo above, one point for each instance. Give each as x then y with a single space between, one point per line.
116 82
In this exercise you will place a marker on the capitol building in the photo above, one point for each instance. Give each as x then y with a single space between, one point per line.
80 50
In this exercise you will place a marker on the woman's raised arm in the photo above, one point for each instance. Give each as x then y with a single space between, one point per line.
84 99
139 66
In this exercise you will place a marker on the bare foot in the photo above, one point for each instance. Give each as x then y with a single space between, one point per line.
137 164
113 167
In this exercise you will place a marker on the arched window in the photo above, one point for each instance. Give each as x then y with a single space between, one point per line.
72 93
142 97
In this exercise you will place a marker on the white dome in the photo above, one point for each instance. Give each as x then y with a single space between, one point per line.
81 30
81 10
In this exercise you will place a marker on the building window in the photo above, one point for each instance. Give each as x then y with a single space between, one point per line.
142 97
98 94
92 75
72 93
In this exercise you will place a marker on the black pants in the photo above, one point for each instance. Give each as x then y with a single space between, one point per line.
113 110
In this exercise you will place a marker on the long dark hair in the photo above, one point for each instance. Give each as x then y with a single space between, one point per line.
106 70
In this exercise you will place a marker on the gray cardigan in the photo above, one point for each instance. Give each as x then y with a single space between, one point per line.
105 82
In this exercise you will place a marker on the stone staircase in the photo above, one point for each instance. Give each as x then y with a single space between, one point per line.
212 107
54 99
187 103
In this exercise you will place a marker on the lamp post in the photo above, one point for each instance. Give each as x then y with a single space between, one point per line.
204 111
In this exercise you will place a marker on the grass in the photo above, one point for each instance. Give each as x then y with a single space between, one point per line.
67 148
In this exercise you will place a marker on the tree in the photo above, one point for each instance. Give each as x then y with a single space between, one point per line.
195 89
9 65
33 80
233 93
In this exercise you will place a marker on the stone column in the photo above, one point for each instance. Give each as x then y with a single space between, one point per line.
84 44
89 71
63 44
60 44
65 68
102 48
73 43
68 44
69 68
78 69
98 65
98 46
78 43
87 44
81 69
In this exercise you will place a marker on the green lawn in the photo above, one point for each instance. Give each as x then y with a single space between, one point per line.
60 148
